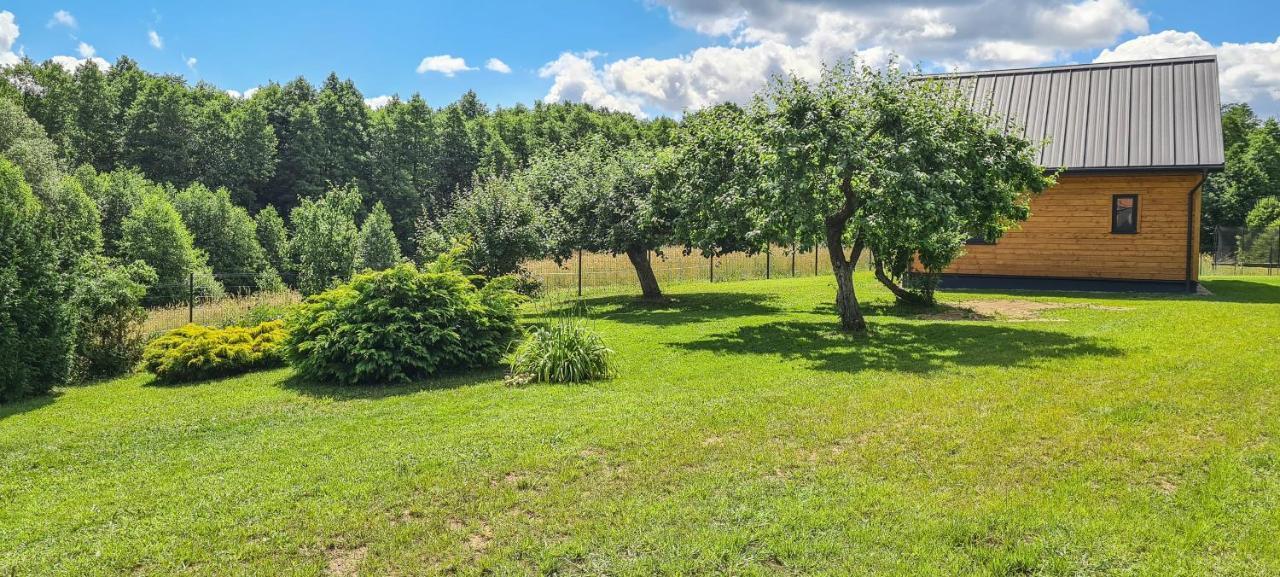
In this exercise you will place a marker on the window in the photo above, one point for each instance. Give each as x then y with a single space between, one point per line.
1124 214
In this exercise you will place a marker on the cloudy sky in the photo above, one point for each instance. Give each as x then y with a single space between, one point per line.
650 57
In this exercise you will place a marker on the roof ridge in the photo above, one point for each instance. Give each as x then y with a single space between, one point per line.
1088 66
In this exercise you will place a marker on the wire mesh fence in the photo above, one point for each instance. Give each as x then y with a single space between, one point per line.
1242 251
587 272
227 298
212 300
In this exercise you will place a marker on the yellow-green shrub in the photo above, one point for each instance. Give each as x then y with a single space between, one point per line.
198 352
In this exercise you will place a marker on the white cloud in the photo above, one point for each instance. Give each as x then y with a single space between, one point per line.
498 66
63 18
155 40
769 37
578 80
8 36
1010 52
1248 72
85 50
445 64
242 95
191 62
71 63
377 101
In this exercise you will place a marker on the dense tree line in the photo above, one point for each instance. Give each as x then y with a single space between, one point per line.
1251 180
293 141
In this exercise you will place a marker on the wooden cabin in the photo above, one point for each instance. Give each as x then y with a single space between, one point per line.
1135 142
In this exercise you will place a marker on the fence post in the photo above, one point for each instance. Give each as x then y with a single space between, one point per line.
768 262
191 298
815 261
1277 258
579 272
793 261
712 260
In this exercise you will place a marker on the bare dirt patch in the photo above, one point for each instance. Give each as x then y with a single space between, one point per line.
343 562
479 541
1015 310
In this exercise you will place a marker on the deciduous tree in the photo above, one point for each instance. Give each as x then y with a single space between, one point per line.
873 157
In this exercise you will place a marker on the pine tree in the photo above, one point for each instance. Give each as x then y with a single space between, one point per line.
159 132
456 160
274 238
343 120
253 151
471 107
378 247
95 136
403 173
291 112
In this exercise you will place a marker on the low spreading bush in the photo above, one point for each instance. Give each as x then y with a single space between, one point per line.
402 324
197 352
564 352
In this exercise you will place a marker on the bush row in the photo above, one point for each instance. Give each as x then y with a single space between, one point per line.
388 327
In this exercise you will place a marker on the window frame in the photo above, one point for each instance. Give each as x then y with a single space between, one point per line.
1115 201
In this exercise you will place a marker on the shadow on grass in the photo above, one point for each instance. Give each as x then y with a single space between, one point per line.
903 347
15 408
673 310
1242 291
444 381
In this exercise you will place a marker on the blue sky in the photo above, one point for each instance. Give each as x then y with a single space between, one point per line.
648 56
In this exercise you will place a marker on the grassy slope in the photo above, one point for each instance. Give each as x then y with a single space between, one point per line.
743 436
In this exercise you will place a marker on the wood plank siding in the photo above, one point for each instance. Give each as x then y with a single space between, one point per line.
1069 232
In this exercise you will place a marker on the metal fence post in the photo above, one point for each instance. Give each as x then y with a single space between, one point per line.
768 263
793 261
1277 257
712 276
815 261
191 297
579 272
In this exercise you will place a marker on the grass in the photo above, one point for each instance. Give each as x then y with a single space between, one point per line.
1119 434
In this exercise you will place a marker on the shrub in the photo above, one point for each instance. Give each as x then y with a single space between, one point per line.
262 313
401 324
35 321
323 247
376 246
564 352
501 224
154 233
198 352
273 236
109 315
224 231
1264 214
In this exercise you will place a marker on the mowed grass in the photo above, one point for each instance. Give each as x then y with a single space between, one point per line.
1139 435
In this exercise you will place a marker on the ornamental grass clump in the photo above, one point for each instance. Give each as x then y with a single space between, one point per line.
566 351
402 324
196 352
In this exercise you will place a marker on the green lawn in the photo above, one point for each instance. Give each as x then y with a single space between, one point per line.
1139 435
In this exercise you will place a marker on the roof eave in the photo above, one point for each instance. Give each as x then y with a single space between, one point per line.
1138 169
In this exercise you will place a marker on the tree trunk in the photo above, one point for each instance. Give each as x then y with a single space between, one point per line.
846 300
644 271
903 295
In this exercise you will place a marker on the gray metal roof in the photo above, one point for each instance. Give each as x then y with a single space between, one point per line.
1153 114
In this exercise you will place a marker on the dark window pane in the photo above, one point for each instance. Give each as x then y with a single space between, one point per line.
1124 214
